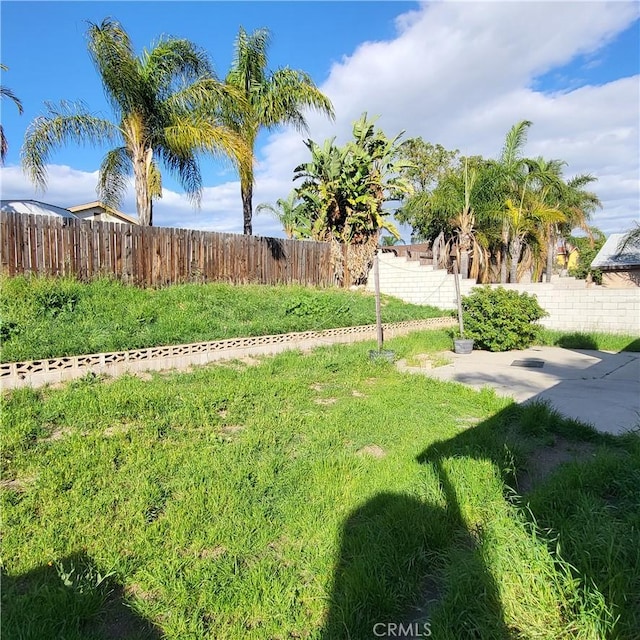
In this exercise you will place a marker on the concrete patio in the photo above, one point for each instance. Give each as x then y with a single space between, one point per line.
595 387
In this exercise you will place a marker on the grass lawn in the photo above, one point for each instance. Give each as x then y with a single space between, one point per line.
48 317
311 496
591 340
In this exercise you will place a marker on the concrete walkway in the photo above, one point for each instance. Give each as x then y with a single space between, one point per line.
595 387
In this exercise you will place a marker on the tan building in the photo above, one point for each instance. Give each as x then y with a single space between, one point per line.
620 266
101 213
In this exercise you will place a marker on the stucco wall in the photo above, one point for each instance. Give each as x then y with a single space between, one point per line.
571 304
628 279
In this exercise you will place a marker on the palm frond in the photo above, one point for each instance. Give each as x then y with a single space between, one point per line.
114 176
515 140
64 123
249 66
113 56
173 64
5 92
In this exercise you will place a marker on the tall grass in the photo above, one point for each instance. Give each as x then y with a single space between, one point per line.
47 317
310 496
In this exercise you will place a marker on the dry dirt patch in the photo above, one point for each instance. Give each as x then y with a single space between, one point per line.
544 460
372 450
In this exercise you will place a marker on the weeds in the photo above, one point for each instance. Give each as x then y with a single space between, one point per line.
228 503
46 317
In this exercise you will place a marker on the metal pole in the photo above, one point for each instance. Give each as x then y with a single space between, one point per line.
458 297
376 281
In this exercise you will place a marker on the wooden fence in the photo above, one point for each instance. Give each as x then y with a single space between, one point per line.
156 256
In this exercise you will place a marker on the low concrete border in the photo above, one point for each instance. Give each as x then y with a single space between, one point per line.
37 373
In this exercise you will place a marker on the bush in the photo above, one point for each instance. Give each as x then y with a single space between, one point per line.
500 319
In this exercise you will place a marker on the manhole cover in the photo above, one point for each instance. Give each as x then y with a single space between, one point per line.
529 363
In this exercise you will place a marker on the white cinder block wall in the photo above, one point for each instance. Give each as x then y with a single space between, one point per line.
570 303
419 284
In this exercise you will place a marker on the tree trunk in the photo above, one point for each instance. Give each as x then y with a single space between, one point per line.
464 263
515 251
246 190
141 164
503 265
550 255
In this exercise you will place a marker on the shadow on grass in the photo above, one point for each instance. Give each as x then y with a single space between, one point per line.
388 555
411 568
576 341
69 600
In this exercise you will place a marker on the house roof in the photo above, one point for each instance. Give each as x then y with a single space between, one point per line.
613 256
35 207
110 210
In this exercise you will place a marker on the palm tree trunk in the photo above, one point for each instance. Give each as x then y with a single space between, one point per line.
550 255
141 163
246 190
503 264
515 251
464 263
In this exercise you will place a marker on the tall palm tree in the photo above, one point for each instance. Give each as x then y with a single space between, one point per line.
165 101
270 99
527 219
577 205
514 170
5 92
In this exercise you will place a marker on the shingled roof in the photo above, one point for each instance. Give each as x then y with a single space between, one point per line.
613 256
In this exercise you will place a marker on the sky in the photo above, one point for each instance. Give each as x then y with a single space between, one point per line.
455 73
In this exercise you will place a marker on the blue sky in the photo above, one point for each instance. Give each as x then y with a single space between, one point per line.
456 73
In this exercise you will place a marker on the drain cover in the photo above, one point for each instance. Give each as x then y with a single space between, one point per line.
529 363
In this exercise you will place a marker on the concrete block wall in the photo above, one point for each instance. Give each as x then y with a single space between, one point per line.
572 305
586 308
417 283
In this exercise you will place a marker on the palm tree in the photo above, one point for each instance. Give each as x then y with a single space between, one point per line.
165 103
577 205
514 170
465 199
5 92
345 188
525 220
270 99
292 216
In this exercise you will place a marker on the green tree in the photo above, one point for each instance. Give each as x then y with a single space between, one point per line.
464 201
270 99
577 204
291 214
166 103
427 166
587 247
5 92
344 190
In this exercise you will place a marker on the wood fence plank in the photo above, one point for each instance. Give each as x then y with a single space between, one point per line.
156 256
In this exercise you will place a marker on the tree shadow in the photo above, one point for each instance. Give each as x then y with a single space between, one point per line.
576 340
276 247
70 600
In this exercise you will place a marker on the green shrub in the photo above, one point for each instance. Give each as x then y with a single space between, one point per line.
501 319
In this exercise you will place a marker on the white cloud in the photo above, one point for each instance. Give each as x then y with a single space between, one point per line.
456 73
462 74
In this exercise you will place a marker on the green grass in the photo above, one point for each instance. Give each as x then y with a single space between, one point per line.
45 317
310 496
589 340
